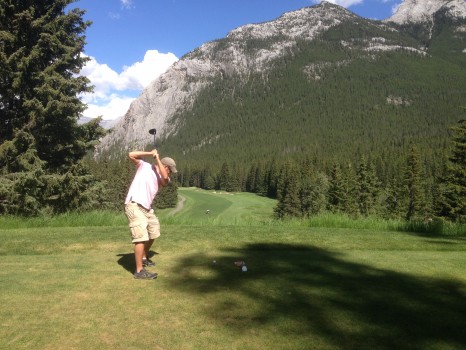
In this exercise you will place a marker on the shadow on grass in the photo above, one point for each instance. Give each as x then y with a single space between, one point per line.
310 293
127 260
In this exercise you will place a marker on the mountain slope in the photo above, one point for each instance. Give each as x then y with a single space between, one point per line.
320 82
238 54
415 11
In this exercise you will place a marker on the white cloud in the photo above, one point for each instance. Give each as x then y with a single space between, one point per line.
127 3
140 74
114 92
115 107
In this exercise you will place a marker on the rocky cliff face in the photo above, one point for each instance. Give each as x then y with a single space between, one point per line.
415 11
250 48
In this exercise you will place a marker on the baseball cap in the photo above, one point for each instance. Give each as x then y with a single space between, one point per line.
170 163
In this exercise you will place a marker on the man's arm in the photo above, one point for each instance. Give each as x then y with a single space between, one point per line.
136 156
163 172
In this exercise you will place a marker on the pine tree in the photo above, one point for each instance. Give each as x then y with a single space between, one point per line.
319 193
271 179
453 196
336 192
350 205
167 196
40 59
393 200
224 179
251 179
415 199
289 204
367 187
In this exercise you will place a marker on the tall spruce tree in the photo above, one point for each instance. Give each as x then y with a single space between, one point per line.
367 187
289 204
415 199
453 188
392 200
40 59
336 191
350 205
319 193
224 178
167 197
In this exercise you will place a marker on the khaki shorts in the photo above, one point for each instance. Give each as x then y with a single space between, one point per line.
143 223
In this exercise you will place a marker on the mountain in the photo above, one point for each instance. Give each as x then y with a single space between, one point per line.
415 11
176 90
320 82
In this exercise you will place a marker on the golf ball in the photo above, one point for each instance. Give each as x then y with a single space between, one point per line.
244 268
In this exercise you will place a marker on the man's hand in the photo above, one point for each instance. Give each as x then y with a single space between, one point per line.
155 154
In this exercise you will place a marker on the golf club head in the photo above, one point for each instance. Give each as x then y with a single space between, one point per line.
153 132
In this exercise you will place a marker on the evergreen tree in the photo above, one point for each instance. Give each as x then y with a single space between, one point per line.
167 197
415 199
367 187
271 179
289 204
40 59
319 193
350 205
393 202
251 179
259 181
224 178
209 182
336 191
453 188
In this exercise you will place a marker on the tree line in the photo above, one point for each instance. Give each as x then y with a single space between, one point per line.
303 188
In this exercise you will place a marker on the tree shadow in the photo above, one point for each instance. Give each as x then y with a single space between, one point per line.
349 305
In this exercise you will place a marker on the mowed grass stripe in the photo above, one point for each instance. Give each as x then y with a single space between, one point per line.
219 207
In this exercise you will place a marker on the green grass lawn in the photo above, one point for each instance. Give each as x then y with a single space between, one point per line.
306 288
224 208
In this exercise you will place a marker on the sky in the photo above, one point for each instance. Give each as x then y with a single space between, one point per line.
131 42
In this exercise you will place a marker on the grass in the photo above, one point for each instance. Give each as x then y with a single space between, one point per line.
71 286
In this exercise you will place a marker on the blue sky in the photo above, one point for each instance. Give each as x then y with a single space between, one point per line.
132 42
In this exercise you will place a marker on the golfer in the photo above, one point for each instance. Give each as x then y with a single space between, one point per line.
143 223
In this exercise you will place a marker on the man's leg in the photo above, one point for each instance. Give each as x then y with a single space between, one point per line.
147 245
138 254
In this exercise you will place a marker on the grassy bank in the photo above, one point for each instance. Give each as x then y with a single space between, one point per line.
214 208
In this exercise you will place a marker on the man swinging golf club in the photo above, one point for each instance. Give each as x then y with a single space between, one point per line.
143 223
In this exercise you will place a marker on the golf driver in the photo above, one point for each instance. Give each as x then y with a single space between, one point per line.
153 132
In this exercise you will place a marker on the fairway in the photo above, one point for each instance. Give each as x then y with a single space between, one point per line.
224 208
305 288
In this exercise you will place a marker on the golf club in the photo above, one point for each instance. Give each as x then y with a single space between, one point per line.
153 132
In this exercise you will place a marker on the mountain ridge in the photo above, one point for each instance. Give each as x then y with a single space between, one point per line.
252 51
414 11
